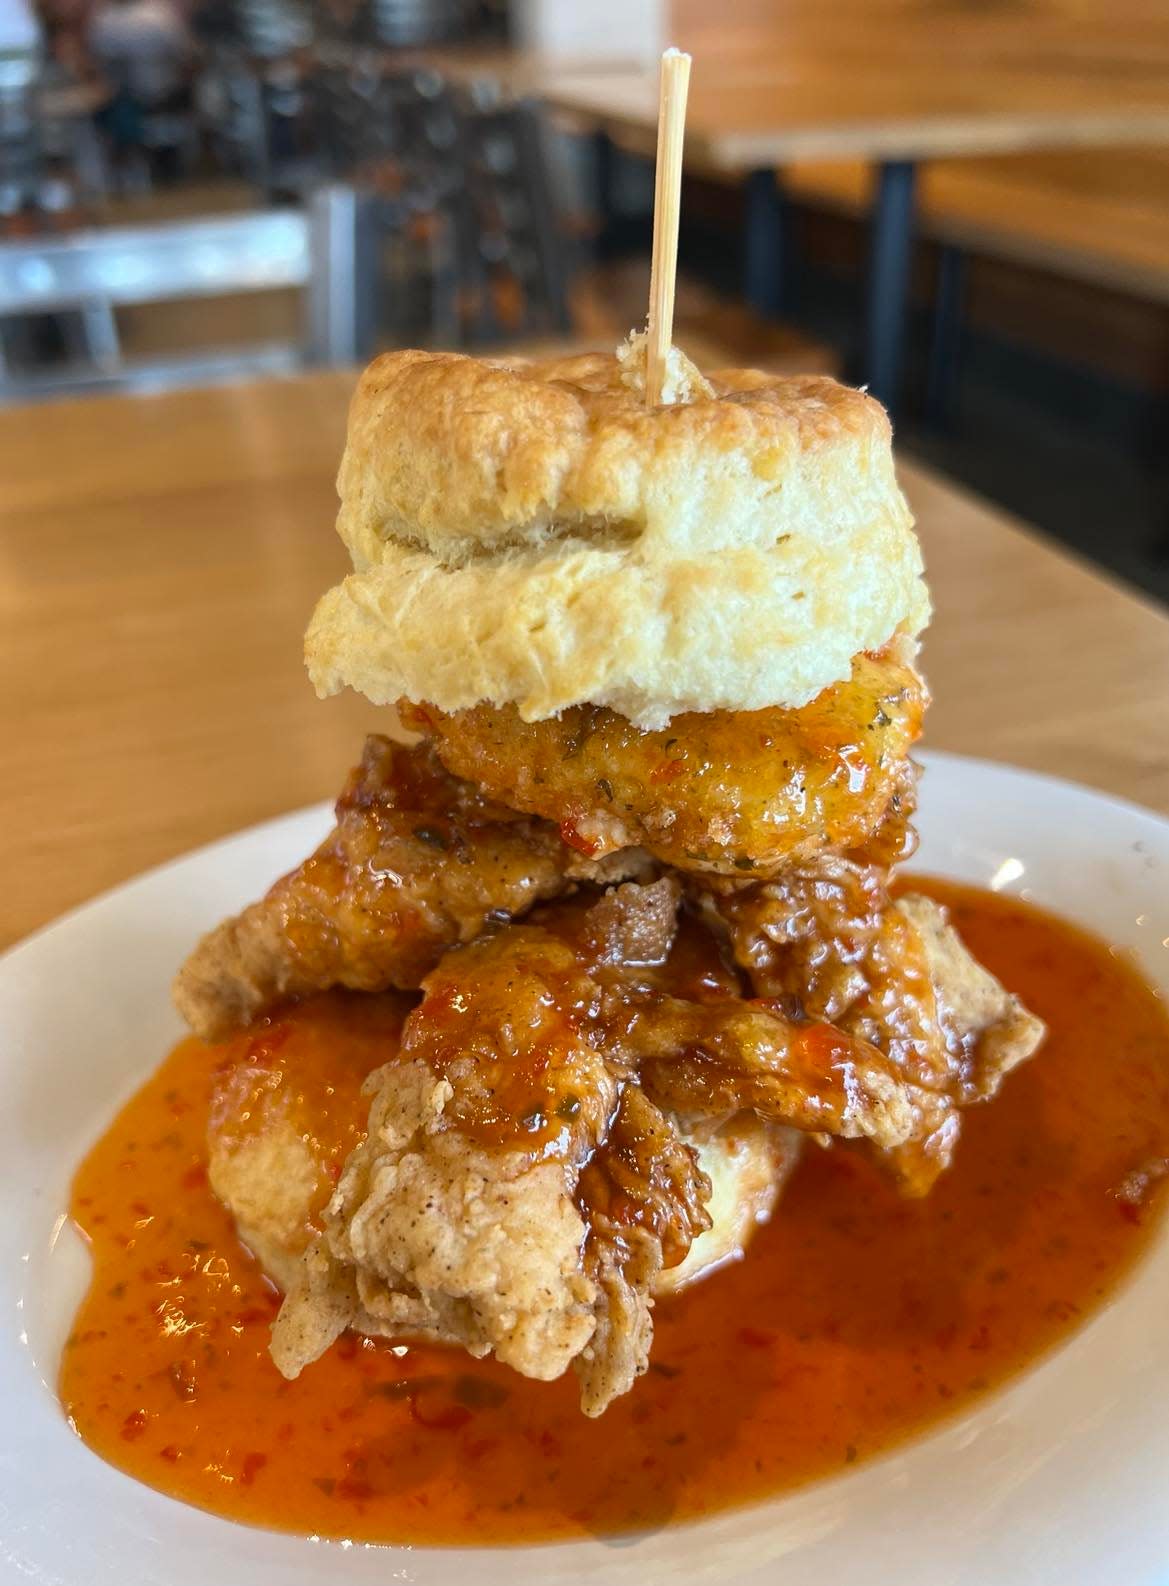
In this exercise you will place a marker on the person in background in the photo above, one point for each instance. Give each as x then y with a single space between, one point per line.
145 50
66 51
144 46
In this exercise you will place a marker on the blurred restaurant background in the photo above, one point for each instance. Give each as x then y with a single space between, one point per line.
963 203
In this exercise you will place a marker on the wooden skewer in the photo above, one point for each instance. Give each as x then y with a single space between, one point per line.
673 88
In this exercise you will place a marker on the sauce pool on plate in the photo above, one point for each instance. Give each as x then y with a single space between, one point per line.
857 1318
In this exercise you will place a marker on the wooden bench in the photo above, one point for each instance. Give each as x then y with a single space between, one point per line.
1094 219
1096 216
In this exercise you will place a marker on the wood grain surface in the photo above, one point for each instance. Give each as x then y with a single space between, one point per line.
159 558
832 106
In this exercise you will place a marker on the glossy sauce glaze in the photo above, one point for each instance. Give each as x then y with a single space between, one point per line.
703 791
857 1318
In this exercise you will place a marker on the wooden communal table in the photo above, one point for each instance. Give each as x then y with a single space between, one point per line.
159 558
893 112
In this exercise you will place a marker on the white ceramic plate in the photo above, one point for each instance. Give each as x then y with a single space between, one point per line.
1063 1479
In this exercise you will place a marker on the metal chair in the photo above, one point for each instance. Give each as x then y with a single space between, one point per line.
465 211
271 29
321 249
260 119
20 143
517 261
230 100
410 24
396 135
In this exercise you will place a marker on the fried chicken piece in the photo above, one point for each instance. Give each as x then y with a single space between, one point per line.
826 942
712 1059
417 862
526 1180
458 1217
645 1198
805 938
988 1030
290 1105
455 1218
430 1235
719 791
967 1029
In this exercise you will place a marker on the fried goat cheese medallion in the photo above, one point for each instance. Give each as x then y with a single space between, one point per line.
518 1191
722 791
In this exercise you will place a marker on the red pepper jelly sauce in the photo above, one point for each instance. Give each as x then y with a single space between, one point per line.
856 1320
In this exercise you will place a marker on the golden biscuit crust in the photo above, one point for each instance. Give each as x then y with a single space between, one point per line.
531 534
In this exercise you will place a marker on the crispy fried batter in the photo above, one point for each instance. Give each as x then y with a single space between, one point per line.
803 938
288 1109
540 1152
524 1183
988 1031
711 1059
723 791
463 1215
417 862
645 1197
431 1235
827 942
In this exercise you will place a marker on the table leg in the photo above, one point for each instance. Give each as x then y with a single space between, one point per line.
888 289
946 342
763 272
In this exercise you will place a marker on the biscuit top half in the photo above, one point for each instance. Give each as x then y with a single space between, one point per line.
530 533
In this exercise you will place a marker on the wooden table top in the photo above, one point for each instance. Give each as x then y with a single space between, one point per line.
519 73
159 558
841 105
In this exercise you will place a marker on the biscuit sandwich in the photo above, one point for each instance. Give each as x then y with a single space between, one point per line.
630 880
